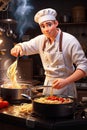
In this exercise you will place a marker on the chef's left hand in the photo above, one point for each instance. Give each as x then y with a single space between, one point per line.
59 83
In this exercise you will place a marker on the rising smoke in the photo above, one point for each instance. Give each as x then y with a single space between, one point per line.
22 11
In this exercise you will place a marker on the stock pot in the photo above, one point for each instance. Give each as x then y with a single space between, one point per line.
11 94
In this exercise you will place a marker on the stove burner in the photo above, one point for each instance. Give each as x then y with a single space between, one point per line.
42 122
80 114
48 118
36 121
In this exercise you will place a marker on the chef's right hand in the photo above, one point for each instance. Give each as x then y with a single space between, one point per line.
16 50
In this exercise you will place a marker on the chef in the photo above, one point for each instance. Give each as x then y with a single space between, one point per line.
61 54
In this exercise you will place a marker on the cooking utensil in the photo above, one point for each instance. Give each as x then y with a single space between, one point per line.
9 32
30 96
51 110
26 96
18 57
13 94
10 21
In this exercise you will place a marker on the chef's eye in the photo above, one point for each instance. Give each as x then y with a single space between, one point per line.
49 24
42 26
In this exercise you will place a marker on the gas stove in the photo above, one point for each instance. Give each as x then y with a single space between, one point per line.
78 117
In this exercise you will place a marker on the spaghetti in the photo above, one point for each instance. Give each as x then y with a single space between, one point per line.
51 91
11 73
53 100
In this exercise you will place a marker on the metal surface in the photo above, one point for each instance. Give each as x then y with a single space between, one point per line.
8 21
14 93
53 110
4 5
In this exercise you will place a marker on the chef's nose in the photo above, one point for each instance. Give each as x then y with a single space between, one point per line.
46 29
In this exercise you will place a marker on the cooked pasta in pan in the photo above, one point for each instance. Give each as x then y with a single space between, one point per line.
53 100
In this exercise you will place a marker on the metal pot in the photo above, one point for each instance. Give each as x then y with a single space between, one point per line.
52 110
12 94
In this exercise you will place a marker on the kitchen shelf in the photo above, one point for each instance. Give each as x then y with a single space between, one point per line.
79 23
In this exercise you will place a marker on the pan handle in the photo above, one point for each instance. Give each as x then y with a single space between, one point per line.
31 98
26 96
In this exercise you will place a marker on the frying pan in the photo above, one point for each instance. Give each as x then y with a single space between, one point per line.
52 110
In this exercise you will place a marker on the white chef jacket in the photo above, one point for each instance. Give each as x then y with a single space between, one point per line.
56 63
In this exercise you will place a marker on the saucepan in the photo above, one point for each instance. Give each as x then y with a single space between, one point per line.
12 94
53 110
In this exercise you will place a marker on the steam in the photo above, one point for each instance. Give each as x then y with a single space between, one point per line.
22 11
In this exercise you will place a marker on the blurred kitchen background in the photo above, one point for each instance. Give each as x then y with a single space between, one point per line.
17 25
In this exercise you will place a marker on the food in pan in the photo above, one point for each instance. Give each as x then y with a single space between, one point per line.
12 86
53 100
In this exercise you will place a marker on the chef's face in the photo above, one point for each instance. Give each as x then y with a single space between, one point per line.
48 28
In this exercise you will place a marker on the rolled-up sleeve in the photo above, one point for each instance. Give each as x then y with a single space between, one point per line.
79 57
73 53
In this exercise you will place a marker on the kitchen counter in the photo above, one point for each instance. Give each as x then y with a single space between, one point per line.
10 120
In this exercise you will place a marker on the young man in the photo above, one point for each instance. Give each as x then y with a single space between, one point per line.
58 51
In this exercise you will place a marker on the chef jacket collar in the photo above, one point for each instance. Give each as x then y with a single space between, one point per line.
57 39
58 35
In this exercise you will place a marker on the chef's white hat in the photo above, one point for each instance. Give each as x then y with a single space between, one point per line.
44 15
